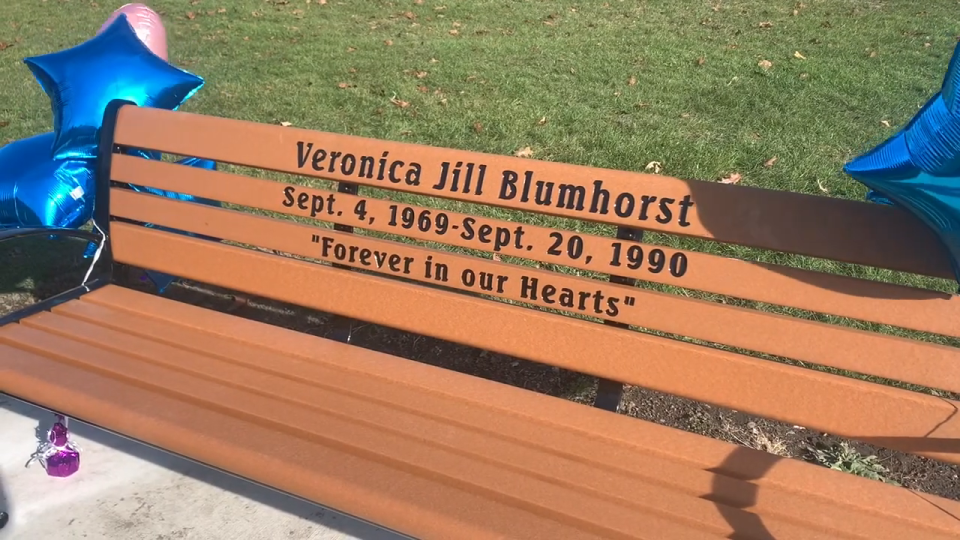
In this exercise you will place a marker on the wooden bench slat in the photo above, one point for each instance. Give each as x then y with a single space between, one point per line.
392 497
823 227
877 414
874 301
481 459
612 433
843 348
370 377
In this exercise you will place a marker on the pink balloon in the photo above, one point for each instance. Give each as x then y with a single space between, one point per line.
146 23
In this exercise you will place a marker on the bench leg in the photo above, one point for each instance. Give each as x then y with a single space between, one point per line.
608 395
610 392
342 329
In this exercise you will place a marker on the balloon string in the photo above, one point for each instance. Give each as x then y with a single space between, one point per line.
96 256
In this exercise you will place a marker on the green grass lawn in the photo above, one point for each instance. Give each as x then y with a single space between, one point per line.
780 92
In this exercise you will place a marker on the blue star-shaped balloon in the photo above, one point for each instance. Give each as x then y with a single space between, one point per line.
115 64
37 191
918 168
160 280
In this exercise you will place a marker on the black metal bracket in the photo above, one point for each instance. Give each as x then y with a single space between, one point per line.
10 234
609 393
343 326
102 272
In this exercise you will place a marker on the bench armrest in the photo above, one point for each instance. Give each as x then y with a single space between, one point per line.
9 234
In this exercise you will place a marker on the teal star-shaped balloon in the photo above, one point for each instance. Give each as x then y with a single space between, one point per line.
918 168
115 64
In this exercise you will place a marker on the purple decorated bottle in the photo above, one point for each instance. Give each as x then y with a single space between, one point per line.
60 456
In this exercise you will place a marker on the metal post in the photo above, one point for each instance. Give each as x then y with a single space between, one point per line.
610 392
343 326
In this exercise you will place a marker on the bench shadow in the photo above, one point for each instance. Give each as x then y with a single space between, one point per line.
746 465
800 222
315 514
6 509
725 487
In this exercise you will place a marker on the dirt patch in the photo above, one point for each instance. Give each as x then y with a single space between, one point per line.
785 440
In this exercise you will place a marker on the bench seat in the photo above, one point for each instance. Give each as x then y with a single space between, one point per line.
419 449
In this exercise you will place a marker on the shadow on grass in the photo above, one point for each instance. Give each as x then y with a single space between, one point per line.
38 268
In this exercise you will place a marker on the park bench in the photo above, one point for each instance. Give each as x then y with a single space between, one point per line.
435 453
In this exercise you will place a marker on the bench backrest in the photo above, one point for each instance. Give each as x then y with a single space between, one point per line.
814 362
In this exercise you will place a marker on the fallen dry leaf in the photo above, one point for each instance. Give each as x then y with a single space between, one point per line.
191 15
804 76
655 166
873 54
423 89
399 102
885 123
496 257
734 178
351 49
765 64
418 2
419 74
344 85
632 81
524 152
542 121
352 70
388 42
796 54
701 61
454 32
823 189
222 10
685 115
285 124
770 162
766 24
4 123
4 45
410 15
477 127
323 2
433 60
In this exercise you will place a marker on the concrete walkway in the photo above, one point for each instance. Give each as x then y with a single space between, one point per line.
128 491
